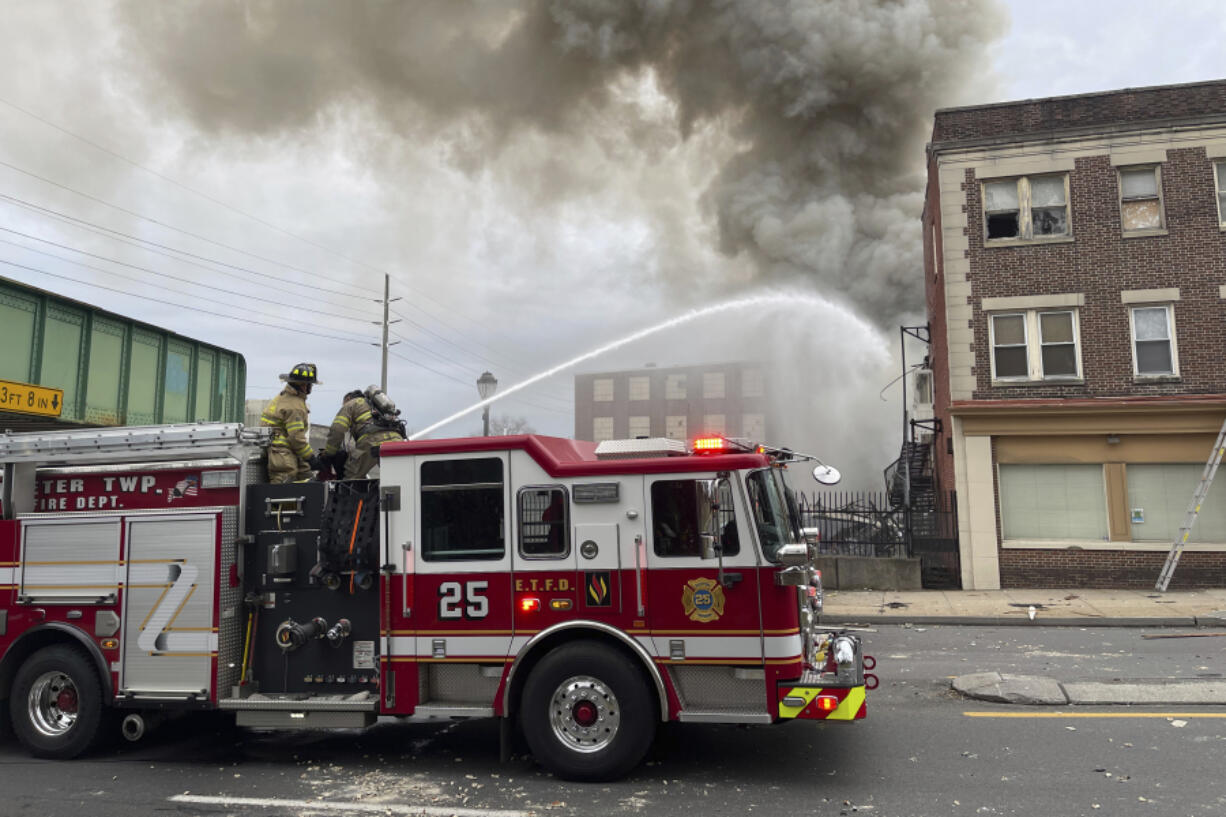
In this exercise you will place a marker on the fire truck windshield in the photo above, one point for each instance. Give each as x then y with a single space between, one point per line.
773 514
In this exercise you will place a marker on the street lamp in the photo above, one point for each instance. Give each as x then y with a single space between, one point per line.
487 384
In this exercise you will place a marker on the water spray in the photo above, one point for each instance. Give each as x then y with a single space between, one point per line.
774 299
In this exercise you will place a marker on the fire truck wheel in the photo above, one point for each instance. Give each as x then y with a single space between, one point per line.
588 712
56 703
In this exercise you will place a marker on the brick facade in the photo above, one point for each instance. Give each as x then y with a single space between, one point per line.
1100 272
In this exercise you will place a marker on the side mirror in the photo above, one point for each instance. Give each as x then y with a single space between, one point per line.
794 555
826 475
710 550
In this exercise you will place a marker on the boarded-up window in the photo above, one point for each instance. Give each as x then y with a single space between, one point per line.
1053 502
1140 202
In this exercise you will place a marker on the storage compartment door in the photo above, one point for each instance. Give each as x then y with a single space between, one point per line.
170 637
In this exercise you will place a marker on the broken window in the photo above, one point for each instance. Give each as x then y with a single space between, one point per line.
1026 207
1140 199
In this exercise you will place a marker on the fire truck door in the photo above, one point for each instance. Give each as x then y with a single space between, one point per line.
695 617
170 637
462 581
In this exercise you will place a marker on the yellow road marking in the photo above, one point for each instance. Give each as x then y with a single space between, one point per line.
1095 714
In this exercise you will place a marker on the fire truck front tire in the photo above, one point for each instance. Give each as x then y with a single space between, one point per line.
588 712
56 703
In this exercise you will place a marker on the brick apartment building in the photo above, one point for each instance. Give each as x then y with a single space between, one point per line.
1075 274
677 402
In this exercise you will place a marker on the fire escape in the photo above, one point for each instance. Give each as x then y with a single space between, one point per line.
927 517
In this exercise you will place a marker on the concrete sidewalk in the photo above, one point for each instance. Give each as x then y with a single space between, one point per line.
1052 608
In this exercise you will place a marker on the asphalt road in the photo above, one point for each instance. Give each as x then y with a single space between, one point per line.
922 751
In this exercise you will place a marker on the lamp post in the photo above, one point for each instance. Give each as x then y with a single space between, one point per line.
487 384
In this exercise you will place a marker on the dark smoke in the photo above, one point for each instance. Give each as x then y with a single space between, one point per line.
814 112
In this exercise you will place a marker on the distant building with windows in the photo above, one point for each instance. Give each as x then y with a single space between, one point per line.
679 402
1075 274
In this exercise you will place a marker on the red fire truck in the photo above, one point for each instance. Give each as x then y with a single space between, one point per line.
581 593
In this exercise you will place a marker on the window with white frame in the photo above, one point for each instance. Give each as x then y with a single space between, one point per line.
1219 172
674 387
674 427
602 390
712 385
1035 344
1140 199
640 427
751 383
1026 207
602 429
640 388
1153 341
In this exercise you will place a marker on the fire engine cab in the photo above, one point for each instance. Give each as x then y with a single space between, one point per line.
581 593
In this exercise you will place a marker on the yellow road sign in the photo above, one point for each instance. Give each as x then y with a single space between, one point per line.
26 398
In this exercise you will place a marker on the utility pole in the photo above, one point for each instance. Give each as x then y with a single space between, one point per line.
387 302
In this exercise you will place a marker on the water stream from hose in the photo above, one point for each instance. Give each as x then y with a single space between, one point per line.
789 300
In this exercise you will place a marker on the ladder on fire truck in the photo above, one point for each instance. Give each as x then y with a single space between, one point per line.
1189 519
22 453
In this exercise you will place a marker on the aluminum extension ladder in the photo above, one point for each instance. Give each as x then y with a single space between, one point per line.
1189 519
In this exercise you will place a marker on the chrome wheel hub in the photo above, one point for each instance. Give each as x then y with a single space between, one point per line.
53 704
584 714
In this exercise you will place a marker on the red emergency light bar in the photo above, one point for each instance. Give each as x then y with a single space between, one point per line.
710 445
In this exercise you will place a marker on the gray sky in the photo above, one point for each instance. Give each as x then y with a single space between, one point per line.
539 179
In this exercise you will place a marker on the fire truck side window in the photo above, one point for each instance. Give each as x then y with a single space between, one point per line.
544 524
461 510
682 510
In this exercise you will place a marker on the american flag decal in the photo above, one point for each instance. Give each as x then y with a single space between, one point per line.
188 486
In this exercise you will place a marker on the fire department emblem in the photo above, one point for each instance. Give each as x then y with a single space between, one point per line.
703 599
597 589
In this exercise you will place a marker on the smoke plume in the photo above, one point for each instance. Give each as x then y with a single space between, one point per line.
802 122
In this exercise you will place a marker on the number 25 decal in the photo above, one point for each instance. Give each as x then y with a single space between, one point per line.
468 601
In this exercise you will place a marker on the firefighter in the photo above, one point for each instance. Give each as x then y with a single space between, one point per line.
290 456
369 428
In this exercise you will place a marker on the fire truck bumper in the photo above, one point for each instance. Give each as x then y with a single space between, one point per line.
804 701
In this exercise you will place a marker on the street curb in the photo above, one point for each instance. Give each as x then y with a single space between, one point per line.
1014 621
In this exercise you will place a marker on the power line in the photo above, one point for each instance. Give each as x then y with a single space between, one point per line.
246 320
162 224
466 383
187 281
166 178
217 202
89 225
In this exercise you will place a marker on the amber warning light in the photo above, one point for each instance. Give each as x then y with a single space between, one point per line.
530 604
708 445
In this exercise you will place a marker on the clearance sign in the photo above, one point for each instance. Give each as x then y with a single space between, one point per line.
26 398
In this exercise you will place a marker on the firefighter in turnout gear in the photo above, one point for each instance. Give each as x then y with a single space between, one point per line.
290 456
370 428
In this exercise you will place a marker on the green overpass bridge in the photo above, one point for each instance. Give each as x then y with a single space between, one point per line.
111 370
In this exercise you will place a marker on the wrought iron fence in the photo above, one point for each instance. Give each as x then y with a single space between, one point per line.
857 523
863 523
